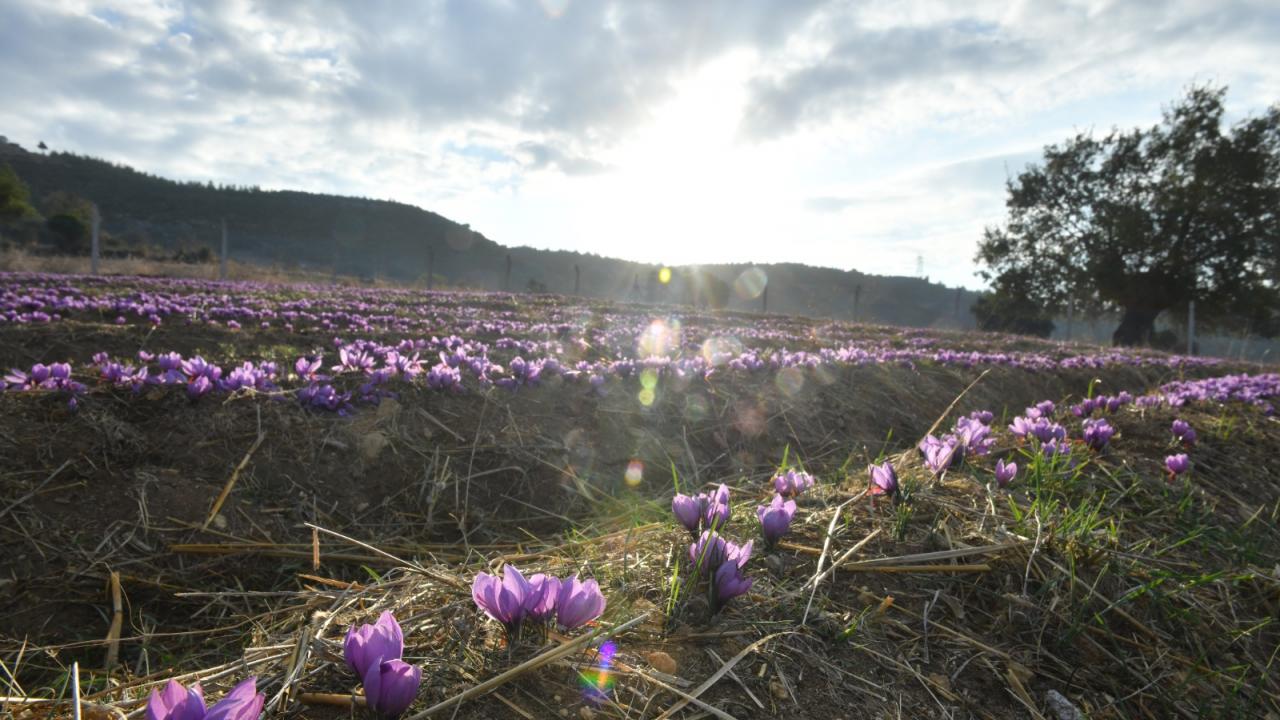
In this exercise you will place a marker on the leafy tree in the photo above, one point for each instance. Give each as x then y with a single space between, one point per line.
1145 221
71 233
15 203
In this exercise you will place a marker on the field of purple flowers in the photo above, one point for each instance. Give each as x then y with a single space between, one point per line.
555 507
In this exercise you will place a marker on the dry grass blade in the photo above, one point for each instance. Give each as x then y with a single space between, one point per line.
35 491
531 664
724 669
826 547
231 481
117 622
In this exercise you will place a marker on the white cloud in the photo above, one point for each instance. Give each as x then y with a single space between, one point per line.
857 135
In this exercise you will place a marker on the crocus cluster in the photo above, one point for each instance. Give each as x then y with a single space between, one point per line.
374 652
1183 432
704 511
1097 433
721 560
792 483
54 378
175 702
775 518
517 602
970 437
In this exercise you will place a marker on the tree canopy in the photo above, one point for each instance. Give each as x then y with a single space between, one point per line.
1144 221
15 201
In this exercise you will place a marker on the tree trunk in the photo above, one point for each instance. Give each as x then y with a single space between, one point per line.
1137 325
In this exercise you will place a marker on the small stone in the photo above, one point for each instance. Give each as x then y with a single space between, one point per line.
586 713
372 445
220 522
662 662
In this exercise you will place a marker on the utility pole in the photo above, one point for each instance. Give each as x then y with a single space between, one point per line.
857 298
222 264
577 279
95 250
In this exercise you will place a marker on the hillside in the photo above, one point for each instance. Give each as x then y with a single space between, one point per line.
363 237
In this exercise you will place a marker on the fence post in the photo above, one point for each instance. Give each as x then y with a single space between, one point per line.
857 298
506 283
577 279
764 300
95 249
222 262
1191 327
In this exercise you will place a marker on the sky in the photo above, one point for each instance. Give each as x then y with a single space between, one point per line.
856 135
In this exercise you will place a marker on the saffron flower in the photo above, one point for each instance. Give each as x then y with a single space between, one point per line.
176 702
391 686
540 603
775 518
1097 433
1177 464
578 603
1183 431
728 583
884 481
503 600
369 645
711 551
688 511
1005 472
792 483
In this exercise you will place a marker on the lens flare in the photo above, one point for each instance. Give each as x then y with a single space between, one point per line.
664 275
659 339
635 473
720 349
598 682
750 283
790 381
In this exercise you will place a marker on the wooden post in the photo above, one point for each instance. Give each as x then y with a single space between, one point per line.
857 298
764 300
506 283
577 279
1191 327
222 264
431 268
95 250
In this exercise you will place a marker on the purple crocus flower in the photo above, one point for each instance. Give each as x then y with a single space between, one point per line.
175 702
540 603
716 513
688 511
1005 472
728 583
1177 464
1183 431
775 518
502 600
1097 433
792 483
884 480
391 686
369 645
199 386
578 603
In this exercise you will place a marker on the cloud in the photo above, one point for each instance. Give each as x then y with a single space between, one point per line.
861 133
